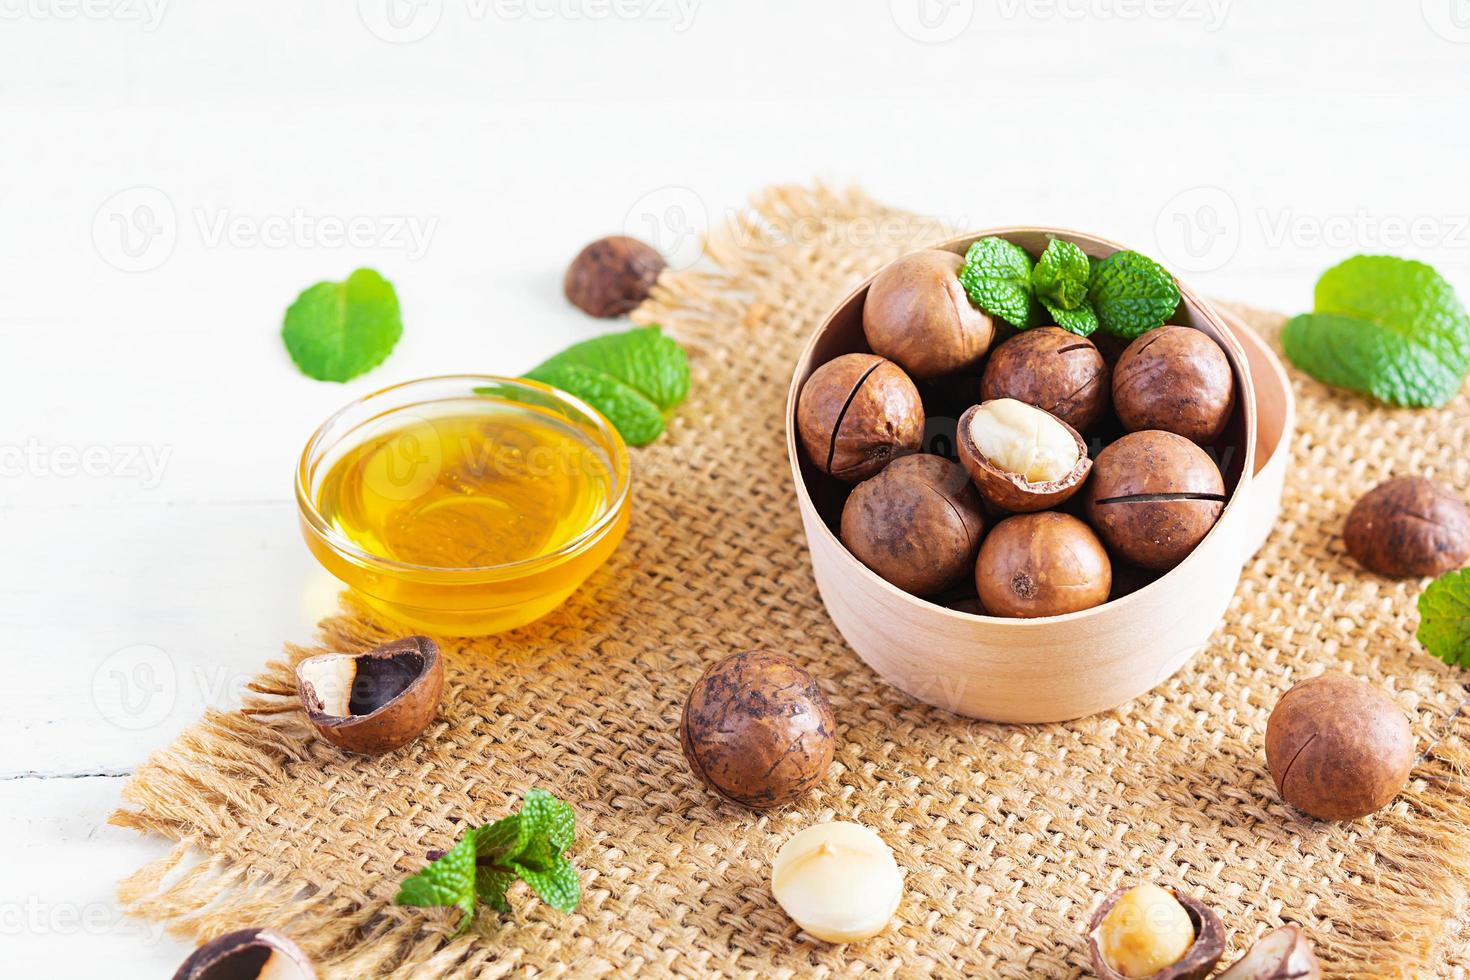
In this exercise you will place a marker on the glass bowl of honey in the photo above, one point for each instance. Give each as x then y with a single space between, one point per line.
464 505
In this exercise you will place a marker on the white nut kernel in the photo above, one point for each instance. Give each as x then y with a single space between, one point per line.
1146 931
838 881
1024 440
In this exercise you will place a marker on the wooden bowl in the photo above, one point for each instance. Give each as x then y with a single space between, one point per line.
1059 667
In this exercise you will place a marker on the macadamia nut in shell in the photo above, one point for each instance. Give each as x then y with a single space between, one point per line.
1176 379
918 315
1407 528
1021 457
1052 369
1045 564
856 414
1154 496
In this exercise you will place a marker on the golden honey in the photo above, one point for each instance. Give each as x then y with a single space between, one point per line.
468 515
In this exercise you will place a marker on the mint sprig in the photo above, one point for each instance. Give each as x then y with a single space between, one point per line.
997 277
1444 618
335 331
1060 282
1132 294
1385 327
634 377
530 845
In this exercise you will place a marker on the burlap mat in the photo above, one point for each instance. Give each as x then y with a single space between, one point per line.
1009 834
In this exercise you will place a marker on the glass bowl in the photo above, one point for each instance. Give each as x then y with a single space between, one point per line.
473 598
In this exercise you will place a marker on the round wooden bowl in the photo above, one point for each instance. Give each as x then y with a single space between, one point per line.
1059 667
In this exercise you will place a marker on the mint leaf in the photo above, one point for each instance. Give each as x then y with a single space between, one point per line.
557 885
528 845
1444 618
450 880
1386 327
335 331
644 358
997 277
1082 321
1132 294
1061 276
633 415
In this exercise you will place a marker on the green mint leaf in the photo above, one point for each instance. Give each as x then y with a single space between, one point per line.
1061 276
1363 357
558 885
449 880
644 358
1082 321
335 331
551 818
491 884
634 416
997 277
1386 327
1444 618
1132 294
496 839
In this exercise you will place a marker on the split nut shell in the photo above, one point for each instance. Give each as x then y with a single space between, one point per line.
856 414
373 702
1198 960
1154 496
1281 954
247 954
1022 458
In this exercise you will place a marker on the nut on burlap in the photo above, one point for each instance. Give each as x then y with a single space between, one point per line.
1009 835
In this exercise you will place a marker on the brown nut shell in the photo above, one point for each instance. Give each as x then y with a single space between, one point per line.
1209 941
1338 747
1045 564
612 276
373 702
857 413
1053 369
1281 954
917 524
1408 527
245 955
757 730
1154 496
1012 491
918 315
1175 379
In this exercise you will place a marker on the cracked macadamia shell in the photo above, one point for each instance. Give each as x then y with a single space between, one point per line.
1044 564
1281 954
1338 747
1053 369
248 954
1197 962
373 702
1176 379
856 414
918 315
1007 489
1408 527
757 730
1154 496
917 524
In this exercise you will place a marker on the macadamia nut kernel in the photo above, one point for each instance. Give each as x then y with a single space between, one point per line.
838 881
1024 440
1145 932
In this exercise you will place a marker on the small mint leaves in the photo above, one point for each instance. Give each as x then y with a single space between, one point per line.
1132 294
530 845
1060 282
1444 618
997 277
335 331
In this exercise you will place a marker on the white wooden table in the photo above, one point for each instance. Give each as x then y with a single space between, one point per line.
172 173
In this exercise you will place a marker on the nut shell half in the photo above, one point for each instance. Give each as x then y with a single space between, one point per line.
373 702
1052 369
856 414
1154 496
757 729
1012 491
1338 747
1407 528
245 955
1209 941
1281 954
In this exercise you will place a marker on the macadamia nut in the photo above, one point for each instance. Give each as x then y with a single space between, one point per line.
1146 931
1024 440
838 881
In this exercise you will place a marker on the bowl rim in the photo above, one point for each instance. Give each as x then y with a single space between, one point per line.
957 244
619 472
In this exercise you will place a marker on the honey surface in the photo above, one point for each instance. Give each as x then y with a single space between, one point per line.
491 485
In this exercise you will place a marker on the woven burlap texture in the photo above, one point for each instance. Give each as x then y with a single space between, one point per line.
1009 835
